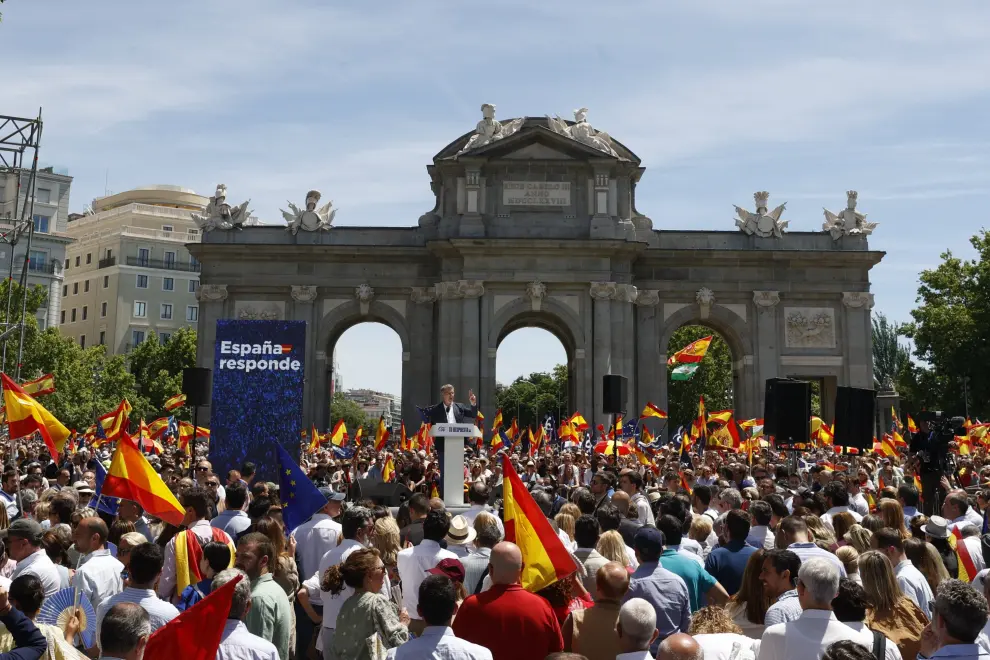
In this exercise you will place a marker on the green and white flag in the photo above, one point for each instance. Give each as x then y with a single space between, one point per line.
684 371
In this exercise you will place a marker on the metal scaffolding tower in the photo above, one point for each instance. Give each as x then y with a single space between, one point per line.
18 135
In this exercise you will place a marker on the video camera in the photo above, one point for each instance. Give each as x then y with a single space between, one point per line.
933 449
941 425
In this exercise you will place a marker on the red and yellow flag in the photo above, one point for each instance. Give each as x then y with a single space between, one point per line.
912 427
196 633
693 352
545 560
314 439
684 483
578 422
652 411
116 422
131 477
381 434
403 439
338 436
25 416
40 386
699 427
174 402
388 470
497 421
158 427
358 436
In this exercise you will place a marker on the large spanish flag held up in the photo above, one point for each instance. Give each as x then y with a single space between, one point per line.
693 352
131 477
25 416
545 560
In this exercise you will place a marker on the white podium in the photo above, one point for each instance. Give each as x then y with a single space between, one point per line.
453 458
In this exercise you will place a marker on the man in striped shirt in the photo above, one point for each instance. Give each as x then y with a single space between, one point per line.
146 564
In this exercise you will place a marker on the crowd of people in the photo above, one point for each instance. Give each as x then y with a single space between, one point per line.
712 556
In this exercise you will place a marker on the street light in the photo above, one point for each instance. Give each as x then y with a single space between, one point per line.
965 383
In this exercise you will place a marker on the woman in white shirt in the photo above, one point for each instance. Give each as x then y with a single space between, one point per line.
718 635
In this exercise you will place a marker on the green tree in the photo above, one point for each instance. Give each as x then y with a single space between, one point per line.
158 366
342 408
951 332
890 357
531 398
713 379
13 293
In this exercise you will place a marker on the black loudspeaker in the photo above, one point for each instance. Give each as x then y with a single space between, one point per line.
855 411
386 494
614 390
787 410
197 385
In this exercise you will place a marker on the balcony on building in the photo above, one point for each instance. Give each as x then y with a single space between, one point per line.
163 264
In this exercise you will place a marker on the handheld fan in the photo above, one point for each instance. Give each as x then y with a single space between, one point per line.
57 610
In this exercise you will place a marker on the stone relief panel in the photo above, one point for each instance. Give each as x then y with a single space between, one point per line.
809 327
259 310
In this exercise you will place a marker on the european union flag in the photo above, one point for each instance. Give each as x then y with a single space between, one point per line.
343 452
100 432
107 505
300 498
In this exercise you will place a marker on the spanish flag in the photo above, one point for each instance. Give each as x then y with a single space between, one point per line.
578 422
403 439
196 633
131 477
388 470
912 427
652 411
545 560
174 402
381 434
25 416
40 386
699 427
684 483
314 439
158 427
693 352
358 436
497 422
339 434
116 422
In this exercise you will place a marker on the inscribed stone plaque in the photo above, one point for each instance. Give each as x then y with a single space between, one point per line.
536 193
809 327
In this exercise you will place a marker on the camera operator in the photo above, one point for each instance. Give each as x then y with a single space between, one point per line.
930 446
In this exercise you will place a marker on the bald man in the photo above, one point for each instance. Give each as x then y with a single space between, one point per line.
680 646
99 572
505 614
591 632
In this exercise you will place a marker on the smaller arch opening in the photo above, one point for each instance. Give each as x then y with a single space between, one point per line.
365 376
532 376
713 378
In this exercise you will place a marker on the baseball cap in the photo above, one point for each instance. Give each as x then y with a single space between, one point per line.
24 528
331 495
649 539
452 568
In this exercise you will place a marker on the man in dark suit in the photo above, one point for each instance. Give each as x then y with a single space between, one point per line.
449 412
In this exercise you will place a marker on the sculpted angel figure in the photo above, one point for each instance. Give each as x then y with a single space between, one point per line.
582 131
490 129
849 221
761 223
309 218
221 215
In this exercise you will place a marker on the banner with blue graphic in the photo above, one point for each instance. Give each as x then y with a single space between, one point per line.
258 376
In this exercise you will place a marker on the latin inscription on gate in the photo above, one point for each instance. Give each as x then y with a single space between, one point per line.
536 193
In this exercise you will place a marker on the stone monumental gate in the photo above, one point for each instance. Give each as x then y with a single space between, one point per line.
535 224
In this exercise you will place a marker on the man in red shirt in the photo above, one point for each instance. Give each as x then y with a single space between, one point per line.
508 620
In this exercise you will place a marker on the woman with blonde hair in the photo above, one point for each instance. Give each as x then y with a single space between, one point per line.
849 556
748 606
893 516
824 538
700 531
613 548
717 633
386 541
859 538
565 521
893 614
926 559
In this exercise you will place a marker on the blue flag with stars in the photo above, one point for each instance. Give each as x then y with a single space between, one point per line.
107 505
300 498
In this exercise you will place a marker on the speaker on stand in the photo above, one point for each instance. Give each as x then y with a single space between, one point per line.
787 411
614 391
197 385
855 411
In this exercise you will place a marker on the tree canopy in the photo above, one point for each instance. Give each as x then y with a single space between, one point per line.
342 408
713 379
531 398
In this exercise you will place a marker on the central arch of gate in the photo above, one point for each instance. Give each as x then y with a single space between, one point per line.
536 224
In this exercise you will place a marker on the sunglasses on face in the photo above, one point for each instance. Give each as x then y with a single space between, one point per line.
202 469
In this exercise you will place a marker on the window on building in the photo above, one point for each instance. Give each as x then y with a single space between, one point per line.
75 288
168 284
164 336
43 195
63 317
103 309
140 309
89 257
66 264
37 259
109 253
168 228
137 337
192 313
193 232
73 318
193 285
144 256
106 281
65 290
166 313
77 262
103 337
41 223
86 286
142 282
170 259
193 262
82 341
85 310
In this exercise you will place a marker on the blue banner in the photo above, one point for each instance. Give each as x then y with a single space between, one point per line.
258 375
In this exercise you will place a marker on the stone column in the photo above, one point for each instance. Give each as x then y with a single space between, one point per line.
212 307
471 292
602 294
647 356
315 395
858 340
419 378
765 304
449 332
624 341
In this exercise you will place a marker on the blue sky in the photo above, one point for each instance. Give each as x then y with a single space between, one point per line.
719 99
